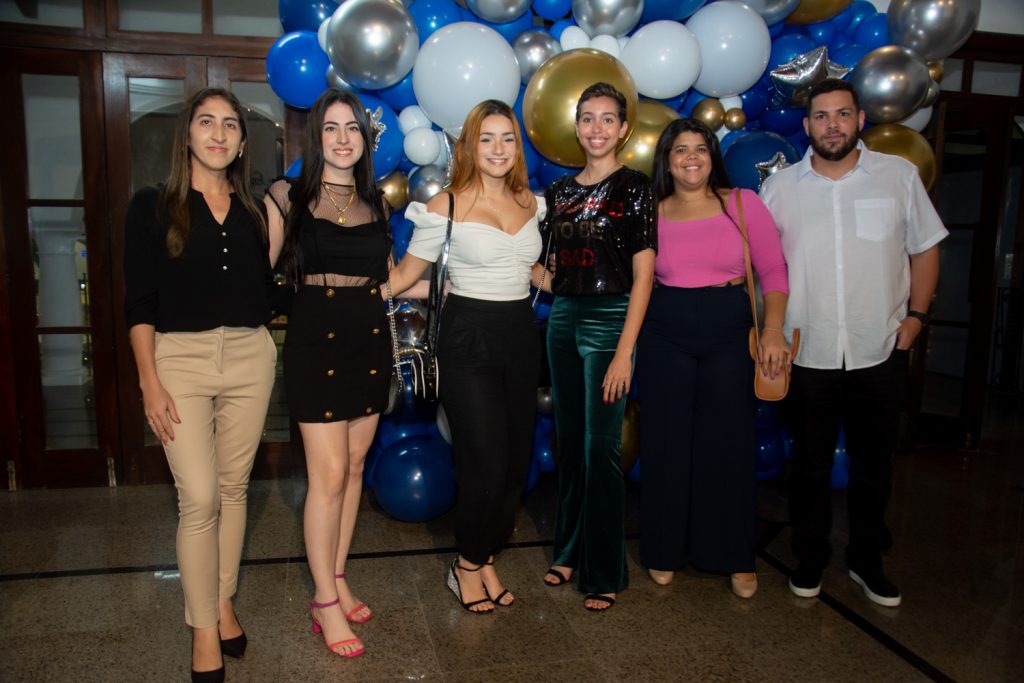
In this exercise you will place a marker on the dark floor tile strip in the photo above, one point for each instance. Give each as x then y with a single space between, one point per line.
877 634
66 573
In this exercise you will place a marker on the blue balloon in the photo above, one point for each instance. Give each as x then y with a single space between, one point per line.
304 15
800 141
400 95
548 171
675 102
851 17
414 479
295 68
822 32
294 169
369 464
430 15
732 136
838 41
542 311
755 147
394 428
840 469
873 32
401 234
510 29
552 10
785 122
775 30
755 100
676 10
559 26
690 101
389 145
765 413
770 456
787 47
849 55
533 474
794 30
787 443
634 472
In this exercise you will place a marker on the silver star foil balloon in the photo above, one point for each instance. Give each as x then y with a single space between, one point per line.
793 80
771 167
377 125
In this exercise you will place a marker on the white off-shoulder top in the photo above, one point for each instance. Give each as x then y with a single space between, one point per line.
483 262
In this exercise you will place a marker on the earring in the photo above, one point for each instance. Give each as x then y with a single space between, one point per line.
240 153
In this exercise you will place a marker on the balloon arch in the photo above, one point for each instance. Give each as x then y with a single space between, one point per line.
744 68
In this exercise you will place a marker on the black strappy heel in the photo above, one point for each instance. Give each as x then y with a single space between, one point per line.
456 588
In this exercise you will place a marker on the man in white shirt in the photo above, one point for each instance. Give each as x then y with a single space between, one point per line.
860 236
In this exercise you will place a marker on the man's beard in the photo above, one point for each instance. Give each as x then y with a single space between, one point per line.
837 154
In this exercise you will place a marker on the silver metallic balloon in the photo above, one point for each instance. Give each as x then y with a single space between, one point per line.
932 28
498 11
794 79
891 83
336 81
372 43
545 404
425 182
611 17
532 49
410 330
772 11
933 94
770 167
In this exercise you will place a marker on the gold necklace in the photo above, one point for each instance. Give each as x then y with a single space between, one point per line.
341 211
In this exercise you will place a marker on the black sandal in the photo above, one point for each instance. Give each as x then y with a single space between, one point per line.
497 601
456 588
561 579
608 600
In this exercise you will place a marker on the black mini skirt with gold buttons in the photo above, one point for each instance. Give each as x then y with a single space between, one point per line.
337 354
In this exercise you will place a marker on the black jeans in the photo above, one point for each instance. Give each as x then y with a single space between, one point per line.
489 358
867 402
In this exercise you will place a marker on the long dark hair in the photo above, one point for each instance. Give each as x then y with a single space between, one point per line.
174 194
662 177
305 191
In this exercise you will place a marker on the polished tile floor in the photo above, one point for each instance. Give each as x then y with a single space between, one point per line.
89 592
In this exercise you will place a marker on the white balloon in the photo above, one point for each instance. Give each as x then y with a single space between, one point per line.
734 102
918 120
721 133
321 33
421 146
734 47
664 59
623 40
574 37
442 424
412 117
606 43
460 65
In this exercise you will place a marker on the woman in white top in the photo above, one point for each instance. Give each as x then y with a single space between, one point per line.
488 349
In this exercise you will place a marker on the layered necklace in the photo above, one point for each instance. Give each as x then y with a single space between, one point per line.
341 211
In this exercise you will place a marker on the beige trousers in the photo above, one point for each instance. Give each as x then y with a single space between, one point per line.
220 381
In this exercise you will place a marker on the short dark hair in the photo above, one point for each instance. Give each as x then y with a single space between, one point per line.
603 90
832 85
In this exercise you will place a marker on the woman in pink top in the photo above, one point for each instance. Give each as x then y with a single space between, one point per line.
694 368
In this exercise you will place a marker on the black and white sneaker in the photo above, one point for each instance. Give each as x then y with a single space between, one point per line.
805 582
877 588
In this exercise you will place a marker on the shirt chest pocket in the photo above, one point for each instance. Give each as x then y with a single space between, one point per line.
876 218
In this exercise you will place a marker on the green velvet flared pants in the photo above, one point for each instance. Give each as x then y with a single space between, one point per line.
589 524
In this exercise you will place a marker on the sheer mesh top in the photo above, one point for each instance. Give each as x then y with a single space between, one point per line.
343 244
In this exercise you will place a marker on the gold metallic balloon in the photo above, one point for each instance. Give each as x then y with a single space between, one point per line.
630 449
651 119
735 118
937 70
549 104
892 138
710 111
395 187
813 11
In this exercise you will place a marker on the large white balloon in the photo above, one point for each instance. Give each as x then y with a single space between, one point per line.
734 47
664 59
460 65
606 43
918 120
412 117
421 146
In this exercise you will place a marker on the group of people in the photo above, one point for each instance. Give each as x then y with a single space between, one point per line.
645 271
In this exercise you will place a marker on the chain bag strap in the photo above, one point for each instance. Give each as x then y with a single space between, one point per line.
765 388
397 381
544 273
426 373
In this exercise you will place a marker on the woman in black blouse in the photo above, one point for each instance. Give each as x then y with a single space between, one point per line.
331 230
602 224
196 275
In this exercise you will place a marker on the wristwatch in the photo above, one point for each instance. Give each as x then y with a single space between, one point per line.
923 317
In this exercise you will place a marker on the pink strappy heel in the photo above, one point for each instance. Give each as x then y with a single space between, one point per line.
357 608
313 604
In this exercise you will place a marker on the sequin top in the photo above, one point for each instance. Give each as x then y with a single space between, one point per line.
596 231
